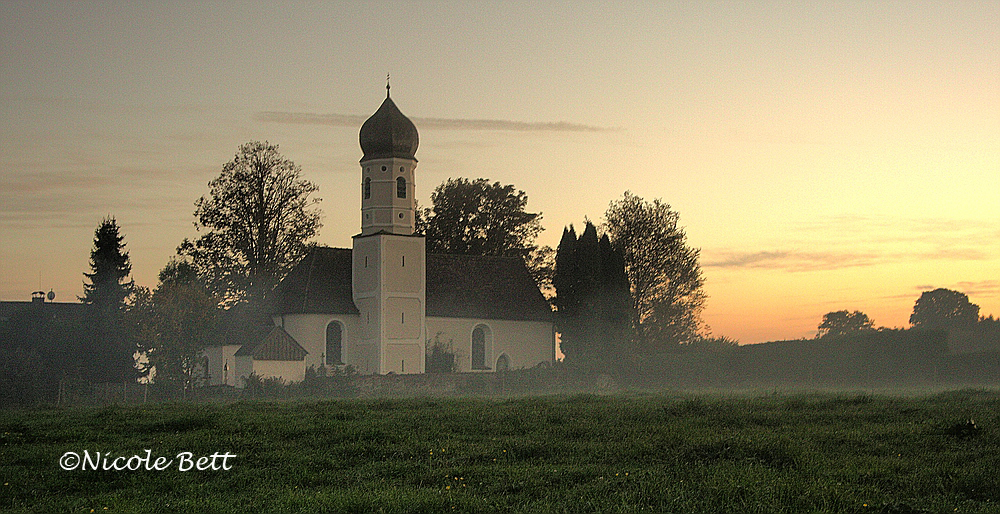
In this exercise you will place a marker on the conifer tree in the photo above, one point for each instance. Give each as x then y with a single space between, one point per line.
110 267
564 281
110 349
593 299
616 297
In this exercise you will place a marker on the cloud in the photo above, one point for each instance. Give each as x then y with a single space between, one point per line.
979 288
350 120
987 288
857 241
792 260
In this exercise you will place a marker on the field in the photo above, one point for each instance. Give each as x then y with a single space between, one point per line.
754 452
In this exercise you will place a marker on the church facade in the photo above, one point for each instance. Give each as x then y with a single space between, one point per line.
380 305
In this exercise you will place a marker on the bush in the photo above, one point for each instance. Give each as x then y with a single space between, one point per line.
337 381
440 357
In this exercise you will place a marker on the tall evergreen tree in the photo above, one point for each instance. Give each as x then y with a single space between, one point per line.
110 267
593 299
616 300
588 291
564 281
111 349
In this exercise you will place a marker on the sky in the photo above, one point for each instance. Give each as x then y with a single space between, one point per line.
822 155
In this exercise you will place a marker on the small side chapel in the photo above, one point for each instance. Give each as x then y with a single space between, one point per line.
378 305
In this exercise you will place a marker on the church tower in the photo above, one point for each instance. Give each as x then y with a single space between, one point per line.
389 268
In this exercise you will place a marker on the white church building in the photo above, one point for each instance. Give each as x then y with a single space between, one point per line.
378 305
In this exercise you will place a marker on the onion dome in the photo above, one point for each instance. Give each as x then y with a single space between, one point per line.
388 133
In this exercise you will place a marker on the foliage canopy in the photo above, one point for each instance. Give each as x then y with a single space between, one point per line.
258 217
944 309
841 323
476 217
663 271
179 320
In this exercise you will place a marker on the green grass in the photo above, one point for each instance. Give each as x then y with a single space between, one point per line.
803 452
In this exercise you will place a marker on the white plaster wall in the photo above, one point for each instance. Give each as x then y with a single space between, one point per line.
526 343
244 366
403 358
402 318
403 264
289 371
310 331
218 357
365 255
382 210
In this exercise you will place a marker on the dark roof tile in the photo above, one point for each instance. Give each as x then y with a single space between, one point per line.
488 287
319 284
274 345
458 286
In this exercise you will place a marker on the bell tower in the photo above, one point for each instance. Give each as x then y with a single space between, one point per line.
389 269
389 141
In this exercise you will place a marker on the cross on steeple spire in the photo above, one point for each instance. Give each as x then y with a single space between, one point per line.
387 85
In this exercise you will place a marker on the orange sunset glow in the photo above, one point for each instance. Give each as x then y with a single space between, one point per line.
823 155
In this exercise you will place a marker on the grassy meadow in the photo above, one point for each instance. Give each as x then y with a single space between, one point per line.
768 452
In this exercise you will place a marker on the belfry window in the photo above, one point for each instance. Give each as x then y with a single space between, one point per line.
400 187
368 188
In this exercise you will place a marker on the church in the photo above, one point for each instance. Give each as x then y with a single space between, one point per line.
380 305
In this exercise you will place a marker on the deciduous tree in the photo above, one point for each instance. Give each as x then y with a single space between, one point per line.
476 217
663 271
181 319
258 218
841 323
944 309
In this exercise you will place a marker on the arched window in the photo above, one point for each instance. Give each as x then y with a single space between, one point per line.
400 187
334 344
368 188
480 343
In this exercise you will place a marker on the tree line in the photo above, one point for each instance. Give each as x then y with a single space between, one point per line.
628 286
634 287
940 309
